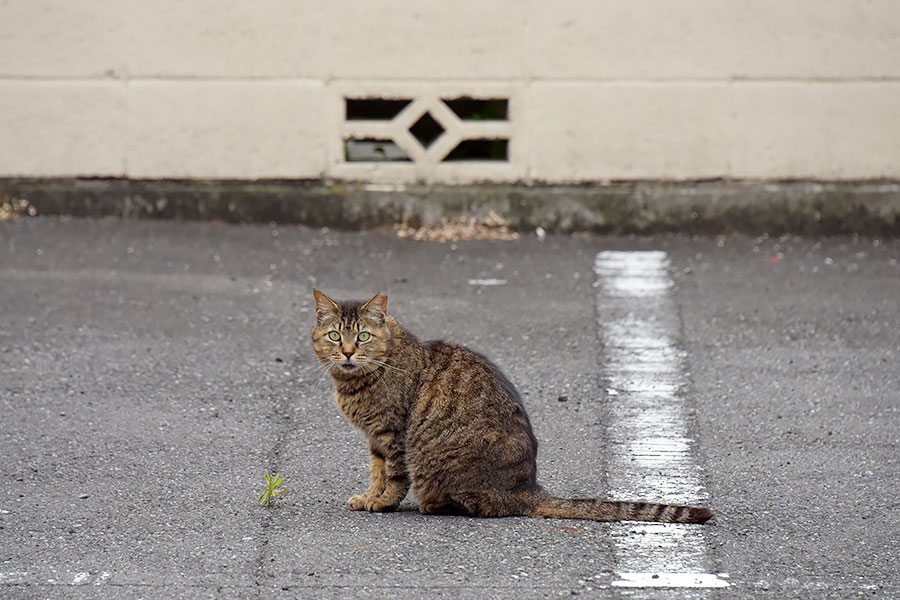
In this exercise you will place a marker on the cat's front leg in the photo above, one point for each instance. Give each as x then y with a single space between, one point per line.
396 485
390 480
377 479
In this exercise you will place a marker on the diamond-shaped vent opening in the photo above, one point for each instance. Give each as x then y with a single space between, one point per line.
426 130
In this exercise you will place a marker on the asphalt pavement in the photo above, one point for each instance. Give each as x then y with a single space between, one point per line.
151 371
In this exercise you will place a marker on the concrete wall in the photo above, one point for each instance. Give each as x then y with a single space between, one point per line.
597 89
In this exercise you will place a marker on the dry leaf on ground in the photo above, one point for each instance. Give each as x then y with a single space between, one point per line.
11 209
492 227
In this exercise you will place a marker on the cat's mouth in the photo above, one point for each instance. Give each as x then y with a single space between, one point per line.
347 366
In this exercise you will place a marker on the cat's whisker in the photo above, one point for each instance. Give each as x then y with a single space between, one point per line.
373 370
380 368
381 381
326 370
367 368
322 367
385 364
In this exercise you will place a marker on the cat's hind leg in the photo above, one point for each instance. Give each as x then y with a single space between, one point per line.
493 503
441 507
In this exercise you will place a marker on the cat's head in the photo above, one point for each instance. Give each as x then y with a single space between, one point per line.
351 337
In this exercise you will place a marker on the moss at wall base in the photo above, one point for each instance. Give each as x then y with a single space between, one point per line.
708 207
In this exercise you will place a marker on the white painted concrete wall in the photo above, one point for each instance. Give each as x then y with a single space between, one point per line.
598 89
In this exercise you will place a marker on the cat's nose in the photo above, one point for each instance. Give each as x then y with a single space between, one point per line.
347 353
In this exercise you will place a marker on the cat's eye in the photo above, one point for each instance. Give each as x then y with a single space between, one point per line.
363 336
334 336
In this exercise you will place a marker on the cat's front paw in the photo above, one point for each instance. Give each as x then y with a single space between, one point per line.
379 505
356 502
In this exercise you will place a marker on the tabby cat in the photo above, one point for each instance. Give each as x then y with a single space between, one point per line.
445 420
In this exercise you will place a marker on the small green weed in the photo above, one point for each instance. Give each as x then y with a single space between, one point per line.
272 491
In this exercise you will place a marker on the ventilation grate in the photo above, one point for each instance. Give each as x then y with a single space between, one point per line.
427 130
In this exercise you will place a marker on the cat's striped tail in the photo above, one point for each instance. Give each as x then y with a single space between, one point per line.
596 509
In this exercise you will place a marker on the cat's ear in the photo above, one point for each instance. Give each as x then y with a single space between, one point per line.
375 306
325 306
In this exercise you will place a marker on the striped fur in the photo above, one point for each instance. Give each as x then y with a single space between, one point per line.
604 510
444 421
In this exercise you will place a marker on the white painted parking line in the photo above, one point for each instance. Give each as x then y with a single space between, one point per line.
651 455
671 580
486 282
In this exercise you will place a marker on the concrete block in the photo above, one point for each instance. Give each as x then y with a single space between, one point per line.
608 131
835 130
75 38
52 129
468 39
701 39
602 131
227 39
813 39
647 39
197 129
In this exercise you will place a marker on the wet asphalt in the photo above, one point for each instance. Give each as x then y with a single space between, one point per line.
151 371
